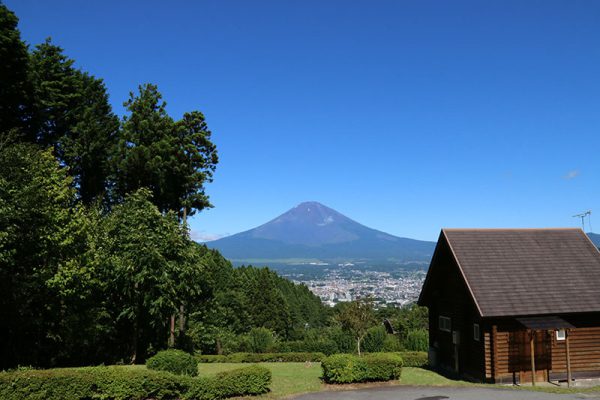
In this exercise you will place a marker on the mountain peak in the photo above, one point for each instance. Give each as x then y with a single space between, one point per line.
313 230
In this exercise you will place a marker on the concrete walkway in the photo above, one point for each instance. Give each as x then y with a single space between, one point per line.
441 393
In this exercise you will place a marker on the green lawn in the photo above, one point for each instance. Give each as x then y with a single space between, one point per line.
296 378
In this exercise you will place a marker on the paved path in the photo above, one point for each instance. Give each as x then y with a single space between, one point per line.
441 393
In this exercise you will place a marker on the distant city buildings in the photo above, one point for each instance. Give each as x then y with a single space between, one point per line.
345 282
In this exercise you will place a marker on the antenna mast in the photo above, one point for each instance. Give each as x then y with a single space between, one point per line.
587 213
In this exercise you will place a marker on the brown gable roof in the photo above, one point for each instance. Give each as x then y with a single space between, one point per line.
528 271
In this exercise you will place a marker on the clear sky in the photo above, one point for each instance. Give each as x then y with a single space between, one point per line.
407 116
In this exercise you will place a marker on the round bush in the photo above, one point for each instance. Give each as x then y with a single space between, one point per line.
343 368
383 366
175 361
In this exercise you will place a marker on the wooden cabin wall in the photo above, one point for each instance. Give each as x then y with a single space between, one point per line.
584 344
513 354
450 298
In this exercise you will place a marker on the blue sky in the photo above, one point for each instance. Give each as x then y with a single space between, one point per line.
407 116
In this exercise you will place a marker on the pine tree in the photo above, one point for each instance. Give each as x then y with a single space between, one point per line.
15 90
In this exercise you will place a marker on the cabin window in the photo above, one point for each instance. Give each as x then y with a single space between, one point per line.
561 334
476 332
444 324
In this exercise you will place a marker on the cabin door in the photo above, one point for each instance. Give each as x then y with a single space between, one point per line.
520 355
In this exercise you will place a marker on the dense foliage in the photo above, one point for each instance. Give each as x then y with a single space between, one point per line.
348 368
123 383
177 362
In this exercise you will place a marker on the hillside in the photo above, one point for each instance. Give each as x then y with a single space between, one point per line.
312 231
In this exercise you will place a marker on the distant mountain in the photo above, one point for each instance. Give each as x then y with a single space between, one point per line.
313 232
595 238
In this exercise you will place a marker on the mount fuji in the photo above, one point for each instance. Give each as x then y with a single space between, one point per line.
313 232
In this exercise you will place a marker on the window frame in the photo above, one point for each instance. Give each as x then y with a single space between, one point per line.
446 326
559 337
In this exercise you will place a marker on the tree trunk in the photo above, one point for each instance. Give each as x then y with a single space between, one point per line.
134 341
171 342
181 320
181 307
358 346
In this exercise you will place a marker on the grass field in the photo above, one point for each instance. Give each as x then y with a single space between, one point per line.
296 378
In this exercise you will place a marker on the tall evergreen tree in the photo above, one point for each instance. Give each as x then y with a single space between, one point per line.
15 90
73 116
88 146
173 159
56 94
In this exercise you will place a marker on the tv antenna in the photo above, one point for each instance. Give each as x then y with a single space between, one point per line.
582 215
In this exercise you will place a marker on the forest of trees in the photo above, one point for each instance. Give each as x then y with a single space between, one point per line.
96 260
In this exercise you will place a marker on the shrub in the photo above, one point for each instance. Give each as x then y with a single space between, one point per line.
211 358
129 383
415 359
325 346
392 344
261 357
260 340
417 340
245 381
383 366
114 383
343 368
175 361
375 339
344 340
348 368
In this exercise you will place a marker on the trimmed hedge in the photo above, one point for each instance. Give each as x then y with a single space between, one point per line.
251 380
383 366
261 357
348 368
417 359
175 361
129 383
109 383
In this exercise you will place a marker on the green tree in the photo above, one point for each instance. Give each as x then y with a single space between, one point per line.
40 230
172 159
56 93
417 340
375 339
86 149
266 305
152 268
194 164
72 115
260 340
357 317
15 88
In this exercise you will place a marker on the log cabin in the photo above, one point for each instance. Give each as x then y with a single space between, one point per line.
514 305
